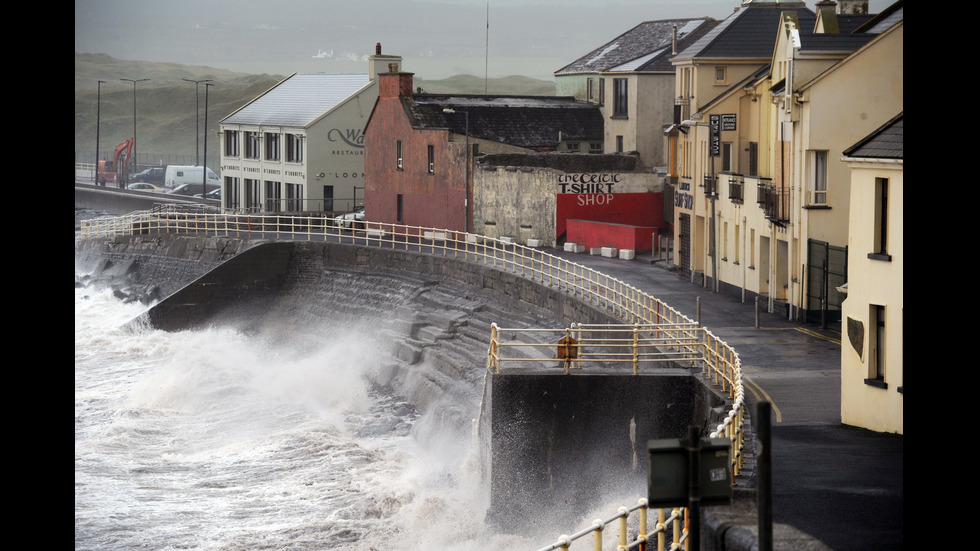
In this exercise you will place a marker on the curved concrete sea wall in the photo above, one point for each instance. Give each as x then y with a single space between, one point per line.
552 445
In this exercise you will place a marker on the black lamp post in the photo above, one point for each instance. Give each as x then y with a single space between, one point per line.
466 186
134 81
98 126
204 170
197 119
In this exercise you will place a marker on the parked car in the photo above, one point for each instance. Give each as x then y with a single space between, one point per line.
351 220
190 190
214 194
143 186
152 175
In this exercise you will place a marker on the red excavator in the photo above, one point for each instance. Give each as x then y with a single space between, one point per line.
116 170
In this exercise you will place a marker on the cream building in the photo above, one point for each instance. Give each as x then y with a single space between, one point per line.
760 194
632 80
299 147
872 351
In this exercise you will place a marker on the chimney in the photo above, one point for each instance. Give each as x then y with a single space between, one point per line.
383 63
673 42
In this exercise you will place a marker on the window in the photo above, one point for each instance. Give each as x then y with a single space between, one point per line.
876 347
294 148
572 147
595 147
818 184
620 97
273 196
721 75
619 144
398 155
432 159
590 89
253 197
602 91
726 156
230 193
328 198
294 197
231 143
399 207
272 151
881 220
253 141
753 158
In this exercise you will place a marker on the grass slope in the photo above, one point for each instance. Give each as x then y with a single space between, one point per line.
167 106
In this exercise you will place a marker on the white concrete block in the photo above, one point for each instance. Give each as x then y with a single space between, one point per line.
571 247
471 238
507 239
533 242
610 252
434 235
595 251
375 233
627 254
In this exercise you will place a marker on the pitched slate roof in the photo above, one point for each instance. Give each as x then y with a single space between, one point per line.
748 33
888 17
523 121
641 47
299 100
884 143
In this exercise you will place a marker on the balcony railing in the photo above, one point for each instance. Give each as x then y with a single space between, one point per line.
774 201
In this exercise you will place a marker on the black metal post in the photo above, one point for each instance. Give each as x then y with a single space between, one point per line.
694 487
204 169
197 120
133 152
98 126
764 489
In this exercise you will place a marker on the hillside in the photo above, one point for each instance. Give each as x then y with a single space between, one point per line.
167 111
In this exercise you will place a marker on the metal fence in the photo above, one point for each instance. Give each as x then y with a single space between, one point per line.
651 332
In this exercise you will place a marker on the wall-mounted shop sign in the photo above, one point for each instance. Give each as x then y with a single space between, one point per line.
587 182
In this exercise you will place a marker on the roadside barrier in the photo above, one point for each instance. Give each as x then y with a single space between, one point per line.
651 332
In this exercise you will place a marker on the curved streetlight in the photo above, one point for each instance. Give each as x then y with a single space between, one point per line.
204 170
197 114
134 81
98 126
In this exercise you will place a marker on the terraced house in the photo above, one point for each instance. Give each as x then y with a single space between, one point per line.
760 189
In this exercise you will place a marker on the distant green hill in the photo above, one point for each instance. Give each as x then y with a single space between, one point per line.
167 111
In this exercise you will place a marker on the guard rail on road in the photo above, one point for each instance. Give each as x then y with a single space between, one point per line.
636 308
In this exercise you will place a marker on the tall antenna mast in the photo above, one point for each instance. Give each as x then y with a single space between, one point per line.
486 61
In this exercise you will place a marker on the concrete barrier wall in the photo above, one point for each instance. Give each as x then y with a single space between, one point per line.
562 445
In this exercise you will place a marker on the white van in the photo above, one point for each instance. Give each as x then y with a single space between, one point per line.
178 174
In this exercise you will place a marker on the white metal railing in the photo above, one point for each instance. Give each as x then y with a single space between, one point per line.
640 312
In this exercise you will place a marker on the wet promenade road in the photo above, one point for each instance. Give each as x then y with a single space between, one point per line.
842 485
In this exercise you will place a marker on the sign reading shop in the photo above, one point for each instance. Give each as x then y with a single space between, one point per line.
593 188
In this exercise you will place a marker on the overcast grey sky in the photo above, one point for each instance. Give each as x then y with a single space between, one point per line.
436 38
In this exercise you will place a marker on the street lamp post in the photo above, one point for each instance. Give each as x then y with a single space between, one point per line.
197 119
134 81
204 170
466 198
98 126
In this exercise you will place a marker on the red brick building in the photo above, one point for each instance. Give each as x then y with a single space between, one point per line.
417 167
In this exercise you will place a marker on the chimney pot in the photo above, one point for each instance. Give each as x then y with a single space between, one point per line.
392 67
377 49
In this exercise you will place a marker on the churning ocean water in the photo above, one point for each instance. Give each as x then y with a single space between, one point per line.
215 440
